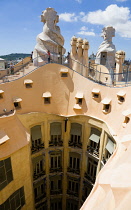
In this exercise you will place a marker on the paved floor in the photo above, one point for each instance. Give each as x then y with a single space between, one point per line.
18 74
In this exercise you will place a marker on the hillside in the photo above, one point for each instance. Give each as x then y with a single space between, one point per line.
14 56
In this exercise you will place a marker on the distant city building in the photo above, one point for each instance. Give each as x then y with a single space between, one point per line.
2 64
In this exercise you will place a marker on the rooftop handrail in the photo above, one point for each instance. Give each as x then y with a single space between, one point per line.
115 79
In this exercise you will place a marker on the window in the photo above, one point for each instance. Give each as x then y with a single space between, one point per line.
86 190
46 100
47 96
106 105
15 201
121 99
79 98
28 83
72 205
79 101
39 190
17 105
74 163
94 141
91 169
38 167
1 94
64 74
121 96
55 185
56 204
55 162
36 138
6 175
73 186
95 93
41 206
75 135
55 134
109 148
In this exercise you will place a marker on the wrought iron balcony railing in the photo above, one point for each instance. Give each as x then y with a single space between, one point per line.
56 143
73 170
75 144
90 178
93 151
38 175
37 148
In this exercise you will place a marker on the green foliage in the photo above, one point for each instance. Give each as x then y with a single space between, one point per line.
14 56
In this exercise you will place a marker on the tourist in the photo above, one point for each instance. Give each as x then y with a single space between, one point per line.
31 56
11 68
48 52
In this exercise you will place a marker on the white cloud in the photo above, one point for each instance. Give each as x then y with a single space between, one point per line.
68 17
79 1
118 17
82 13
86 33
83 28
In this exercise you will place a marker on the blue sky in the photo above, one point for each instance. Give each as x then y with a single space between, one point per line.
20 22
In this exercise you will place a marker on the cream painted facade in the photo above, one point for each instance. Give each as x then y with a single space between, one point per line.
64 134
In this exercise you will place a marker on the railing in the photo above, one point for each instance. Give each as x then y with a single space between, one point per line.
73 170
75 144
40 197
38 175
37 148
71 192
54 170
56 191
93 151
53 143
93 71
90 178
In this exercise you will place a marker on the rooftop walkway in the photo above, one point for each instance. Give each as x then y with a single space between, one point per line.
95 74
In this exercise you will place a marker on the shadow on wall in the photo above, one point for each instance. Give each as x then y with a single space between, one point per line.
68 82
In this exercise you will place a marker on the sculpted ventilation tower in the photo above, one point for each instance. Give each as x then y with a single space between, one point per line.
79 55
106 52
50 39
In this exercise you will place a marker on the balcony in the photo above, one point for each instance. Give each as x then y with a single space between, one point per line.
71 192
56 191
57 169
75 144
37 148
90 178
73 170
56 143
93 151
38 175
40 197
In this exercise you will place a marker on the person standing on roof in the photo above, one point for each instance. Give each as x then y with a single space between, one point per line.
48 52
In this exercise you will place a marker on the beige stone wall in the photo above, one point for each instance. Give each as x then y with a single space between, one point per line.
21 169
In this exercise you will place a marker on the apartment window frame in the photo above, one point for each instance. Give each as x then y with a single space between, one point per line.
74 163
73 186
56 134
7 177
92 168
15 201
76 135
36 139
39 190
55 161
